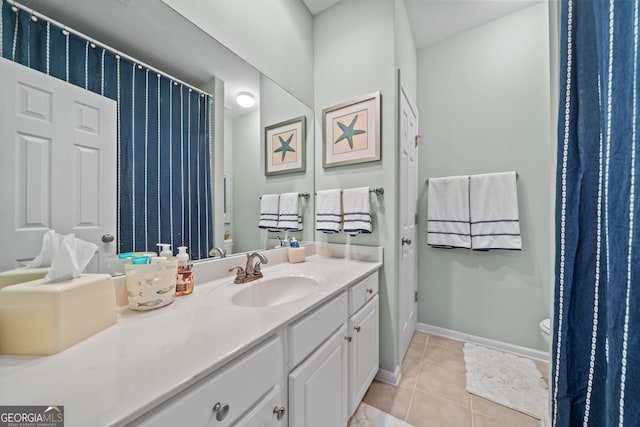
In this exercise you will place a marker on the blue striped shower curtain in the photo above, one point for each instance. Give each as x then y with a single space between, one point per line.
164 192
596 348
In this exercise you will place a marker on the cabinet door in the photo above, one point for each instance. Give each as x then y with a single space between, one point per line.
265 413
318 387
363 352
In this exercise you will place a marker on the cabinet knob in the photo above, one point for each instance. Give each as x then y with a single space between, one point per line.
221 410
357 328
406 241
348 339
369 291
279 412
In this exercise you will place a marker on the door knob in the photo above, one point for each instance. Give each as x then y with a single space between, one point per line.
107 238
279 412
406 241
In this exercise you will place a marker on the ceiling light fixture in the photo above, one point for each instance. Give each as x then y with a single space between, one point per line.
245 99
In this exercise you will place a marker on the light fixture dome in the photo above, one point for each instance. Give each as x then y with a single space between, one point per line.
245 99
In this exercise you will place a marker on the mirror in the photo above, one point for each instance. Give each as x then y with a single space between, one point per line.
239 143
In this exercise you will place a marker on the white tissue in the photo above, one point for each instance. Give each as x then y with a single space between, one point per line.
50 242
66 255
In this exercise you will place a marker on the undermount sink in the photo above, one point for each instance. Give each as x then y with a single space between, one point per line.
276 290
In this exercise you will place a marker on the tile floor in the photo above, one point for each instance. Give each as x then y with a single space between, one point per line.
432 391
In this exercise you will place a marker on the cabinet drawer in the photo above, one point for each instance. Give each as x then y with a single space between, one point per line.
237 387
362 292
310 332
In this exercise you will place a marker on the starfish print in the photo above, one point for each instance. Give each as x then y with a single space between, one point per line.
348 132
284 147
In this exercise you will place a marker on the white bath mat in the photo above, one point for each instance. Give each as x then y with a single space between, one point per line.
368 416
506 379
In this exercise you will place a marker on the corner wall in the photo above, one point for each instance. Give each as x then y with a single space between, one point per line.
484 101
354 56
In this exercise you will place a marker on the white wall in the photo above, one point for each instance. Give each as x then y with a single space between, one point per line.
484 101
406 56
250 182
354 56
248 26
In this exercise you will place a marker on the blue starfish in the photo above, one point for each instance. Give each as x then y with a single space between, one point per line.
348 132
284 146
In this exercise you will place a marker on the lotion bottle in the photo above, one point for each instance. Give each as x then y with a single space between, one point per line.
165 250
184 282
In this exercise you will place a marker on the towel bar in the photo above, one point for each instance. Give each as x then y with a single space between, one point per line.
379 191
427 181
304 195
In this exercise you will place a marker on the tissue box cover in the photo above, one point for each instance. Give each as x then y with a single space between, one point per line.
20 275
41 319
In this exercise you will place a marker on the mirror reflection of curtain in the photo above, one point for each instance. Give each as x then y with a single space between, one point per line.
596 350
163 133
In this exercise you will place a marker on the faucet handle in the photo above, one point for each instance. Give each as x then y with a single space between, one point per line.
240 274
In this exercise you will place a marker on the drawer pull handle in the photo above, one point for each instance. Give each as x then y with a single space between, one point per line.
357 328
221 411
279 412
348 339
370 291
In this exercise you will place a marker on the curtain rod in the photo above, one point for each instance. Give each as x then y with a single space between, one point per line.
104 46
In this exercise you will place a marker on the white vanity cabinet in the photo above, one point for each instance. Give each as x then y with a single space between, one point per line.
339 345
247 392
318 355
364 338
363 351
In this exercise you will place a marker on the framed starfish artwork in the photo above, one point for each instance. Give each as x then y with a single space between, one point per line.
351 132
285 145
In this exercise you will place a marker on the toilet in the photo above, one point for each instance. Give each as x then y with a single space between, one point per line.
545 330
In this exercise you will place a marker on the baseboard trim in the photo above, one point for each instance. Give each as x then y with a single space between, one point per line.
388 377
487 342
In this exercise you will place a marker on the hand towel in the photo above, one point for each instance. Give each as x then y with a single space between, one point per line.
357 210
448 212
329 211
495 221
289 218
269 211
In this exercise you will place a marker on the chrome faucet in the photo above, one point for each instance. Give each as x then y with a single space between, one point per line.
220 251
251 271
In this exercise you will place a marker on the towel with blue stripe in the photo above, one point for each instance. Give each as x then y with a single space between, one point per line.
495 220
269 212
289 217
329 211
448 212
357 210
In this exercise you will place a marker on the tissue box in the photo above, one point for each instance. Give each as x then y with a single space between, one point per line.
42 319
20 275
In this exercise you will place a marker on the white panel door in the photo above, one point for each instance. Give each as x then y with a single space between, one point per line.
407 280
58 162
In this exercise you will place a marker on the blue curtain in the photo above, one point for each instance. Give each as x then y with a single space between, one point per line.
596 349
163 133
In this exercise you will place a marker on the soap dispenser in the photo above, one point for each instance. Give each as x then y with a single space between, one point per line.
184 282
165 250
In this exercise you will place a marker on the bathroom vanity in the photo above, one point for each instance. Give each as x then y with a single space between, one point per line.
264 353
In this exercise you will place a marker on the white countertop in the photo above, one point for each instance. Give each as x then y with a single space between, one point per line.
125 370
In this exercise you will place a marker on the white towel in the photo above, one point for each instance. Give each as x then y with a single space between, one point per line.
269 211
495 221
329 211
448 212
357 210
289 218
